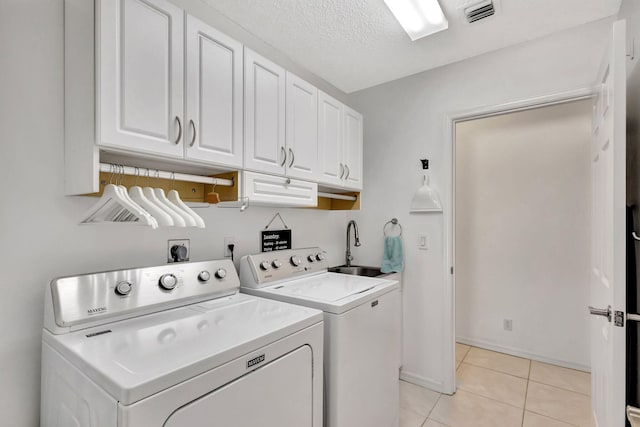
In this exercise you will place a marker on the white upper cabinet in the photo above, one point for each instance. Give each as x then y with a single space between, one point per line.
330 135
141 76
264 118
302 129
213 129
352 141
339 144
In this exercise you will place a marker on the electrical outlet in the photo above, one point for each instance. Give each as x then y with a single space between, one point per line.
178 250
228 241
507 324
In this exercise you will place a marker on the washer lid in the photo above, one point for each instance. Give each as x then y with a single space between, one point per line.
330 292
136 358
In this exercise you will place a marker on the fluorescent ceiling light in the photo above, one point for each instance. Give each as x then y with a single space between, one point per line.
419 18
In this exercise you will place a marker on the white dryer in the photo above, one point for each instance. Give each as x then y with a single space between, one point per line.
362 330
177 345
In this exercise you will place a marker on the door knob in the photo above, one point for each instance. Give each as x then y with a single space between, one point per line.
605 312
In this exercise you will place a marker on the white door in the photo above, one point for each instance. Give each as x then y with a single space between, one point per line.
276 395
264 126
213 131
608 287
302 129
141 76
330 134
353 139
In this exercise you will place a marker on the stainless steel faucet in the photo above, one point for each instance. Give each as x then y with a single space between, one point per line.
348 257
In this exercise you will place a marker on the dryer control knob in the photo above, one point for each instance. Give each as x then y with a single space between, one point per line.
168 281
204 276
221 273
311 258
264 265
295 261
276 263
123 288
320 257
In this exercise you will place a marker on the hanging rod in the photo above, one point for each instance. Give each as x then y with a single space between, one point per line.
154 173
337 196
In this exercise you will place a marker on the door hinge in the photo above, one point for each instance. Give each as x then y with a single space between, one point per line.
451 269
618 318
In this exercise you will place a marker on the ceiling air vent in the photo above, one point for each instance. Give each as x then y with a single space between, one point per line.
479 11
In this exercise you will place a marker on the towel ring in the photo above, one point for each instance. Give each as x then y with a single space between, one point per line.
393 221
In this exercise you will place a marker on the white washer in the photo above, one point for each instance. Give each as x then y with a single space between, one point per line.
177 345
362 330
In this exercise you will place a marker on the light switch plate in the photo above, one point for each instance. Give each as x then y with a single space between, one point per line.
423 241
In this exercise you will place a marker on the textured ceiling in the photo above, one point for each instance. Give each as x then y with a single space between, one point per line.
355 44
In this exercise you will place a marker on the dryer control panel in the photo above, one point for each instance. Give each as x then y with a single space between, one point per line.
267 267
84 301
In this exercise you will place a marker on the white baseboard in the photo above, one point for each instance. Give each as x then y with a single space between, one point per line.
522 353
421 381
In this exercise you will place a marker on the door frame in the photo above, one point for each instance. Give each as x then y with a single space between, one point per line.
451 119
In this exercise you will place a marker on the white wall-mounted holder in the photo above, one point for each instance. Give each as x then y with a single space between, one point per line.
425 199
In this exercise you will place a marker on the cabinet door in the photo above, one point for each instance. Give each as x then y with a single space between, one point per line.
330 134
352 149
141 76
213 131
272 190
302 129
264 85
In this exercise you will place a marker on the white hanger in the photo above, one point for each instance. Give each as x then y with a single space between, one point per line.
188 219
174 197
125 195
149 193
114 207
137 195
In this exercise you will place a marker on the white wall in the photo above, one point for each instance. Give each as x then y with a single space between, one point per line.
39 234
404 121
522 232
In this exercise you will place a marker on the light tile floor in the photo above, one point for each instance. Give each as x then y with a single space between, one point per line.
498 390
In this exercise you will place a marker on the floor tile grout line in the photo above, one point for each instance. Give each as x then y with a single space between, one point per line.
492 399
494 370
528 373
560 388
552 418
431 411
526 393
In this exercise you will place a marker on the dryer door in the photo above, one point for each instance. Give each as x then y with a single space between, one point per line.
275 395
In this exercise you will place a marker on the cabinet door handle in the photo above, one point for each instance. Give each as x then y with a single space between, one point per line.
348 172
179 130
193 137
341 170
292 157
284 156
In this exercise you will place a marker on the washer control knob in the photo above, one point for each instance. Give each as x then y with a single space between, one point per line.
204 276
168 281
311 258
221 273
264 265
295 261
123 288
320 256
276 263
